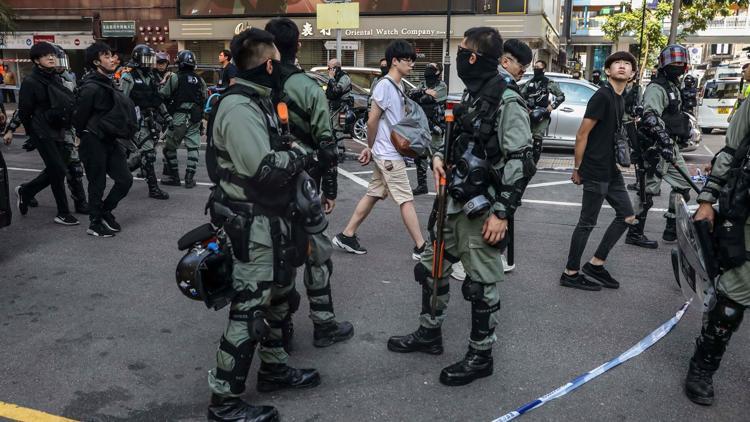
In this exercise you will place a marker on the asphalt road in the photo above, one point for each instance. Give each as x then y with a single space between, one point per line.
95 329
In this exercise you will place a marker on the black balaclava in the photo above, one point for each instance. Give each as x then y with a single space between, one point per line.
596 78
474 75
672 73
383 70
538 73
431 76
259 75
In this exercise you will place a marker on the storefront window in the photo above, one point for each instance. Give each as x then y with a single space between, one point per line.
308 7
600 56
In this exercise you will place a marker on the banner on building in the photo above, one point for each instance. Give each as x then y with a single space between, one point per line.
253 8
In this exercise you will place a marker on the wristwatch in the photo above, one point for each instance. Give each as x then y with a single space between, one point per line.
501 215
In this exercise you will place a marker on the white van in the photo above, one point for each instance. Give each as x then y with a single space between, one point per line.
717 98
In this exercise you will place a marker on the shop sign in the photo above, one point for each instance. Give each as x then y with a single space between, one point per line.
44 38
67 41
345 45
115 29
552 38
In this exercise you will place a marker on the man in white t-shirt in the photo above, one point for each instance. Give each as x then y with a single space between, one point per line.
389 175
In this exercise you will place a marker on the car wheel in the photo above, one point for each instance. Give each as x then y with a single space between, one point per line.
707 130
359 131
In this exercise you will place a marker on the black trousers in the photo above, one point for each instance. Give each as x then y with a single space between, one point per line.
9 95
53 154
594 194
101 159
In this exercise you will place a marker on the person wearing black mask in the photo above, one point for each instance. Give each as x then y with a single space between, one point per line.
100 155
663 125
480 213
257 179
596 78
45 107
431 95
536 92
383 72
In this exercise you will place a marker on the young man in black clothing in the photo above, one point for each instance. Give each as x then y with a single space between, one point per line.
44 107
228 71
100 154
596 169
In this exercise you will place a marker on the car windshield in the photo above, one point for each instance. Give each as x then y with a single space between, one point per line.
576 93
721 90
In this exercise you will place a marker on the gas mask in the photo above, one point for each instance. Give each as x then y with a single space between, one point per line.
468 182
307 203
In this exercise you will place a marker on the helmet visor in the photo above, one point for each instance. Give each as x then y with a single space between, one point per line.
62 62
148 60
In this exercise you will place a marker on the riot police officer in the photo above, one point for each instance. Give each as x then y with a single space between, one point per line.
477 214
596 78
661 128
536 92
142 86
162 67
185 94
310 123
430 95
257 175
689 94
383 72
338 93
733 285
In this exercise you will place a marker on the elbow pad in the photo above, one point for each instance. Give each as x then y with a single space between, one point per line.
327 153
329 184
271 177
652 127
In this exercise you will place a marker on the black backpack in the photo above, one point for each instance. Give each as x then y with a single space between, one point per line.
62 103
121 120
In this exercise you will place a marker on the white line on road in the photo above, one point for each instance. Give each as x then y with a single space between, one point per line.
709 151
354 178
541 185
692 154
135 178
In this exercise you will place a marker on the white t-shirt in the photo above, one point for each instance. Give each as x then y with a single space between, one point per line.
388 98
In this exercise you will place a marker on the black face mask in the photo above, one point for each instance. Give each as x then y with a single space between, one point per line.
474 75
383 70
595 78
673 73
538 73
259 75
431 77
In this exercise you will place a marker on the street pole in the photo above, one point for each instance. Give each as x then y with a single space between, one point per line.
640 48
338 47
447 60
675 21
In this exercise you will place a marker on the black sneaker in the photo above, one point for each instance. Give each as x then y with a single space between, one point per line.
99 230
578 281
417 252
23 205
66 220
632 186
109 220
33 203
598 273
349 244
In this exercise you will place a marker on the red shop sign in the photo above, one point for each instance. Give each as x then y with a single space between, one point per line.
44 38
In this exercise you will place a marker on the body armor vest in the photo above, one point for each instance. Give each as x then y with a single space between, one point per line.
145 93
538 91
676 122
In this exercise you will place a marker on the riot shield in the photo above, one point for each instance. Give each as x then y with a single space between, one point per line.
689 260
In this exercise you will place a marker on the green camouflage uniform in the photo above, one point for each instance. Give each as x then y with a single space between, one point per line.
655 100
181 129
240 129
72 160
345 84
463 236
734 283
144 135
306 94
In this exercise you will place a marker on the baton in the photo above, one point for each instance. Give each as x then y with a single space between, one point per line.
438 245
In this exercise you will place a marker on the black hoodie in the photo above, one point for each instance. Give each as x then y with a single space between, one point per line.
34 105
93 100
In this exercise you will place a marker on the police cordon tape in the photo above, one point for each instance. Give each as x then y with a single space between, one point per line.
634 351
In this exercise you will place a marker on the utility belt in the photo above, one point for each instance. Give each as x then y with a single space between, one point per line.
337 104
290 249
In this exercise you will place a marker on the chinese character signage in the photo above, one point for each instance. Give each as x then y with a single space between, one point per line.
114 29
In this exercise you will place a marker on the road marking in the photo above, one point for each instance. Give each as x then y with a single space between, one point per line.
709 151
354 178
575 204
17 413
134 178
21 169
359 142
541 185
692 154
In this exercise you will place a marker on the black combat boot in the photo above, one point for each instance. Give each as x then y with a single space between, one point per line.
153 186
476 364
329 332
636 237
233 409
427 340
171 178
718 325
421 188
280 376
670 230
189 179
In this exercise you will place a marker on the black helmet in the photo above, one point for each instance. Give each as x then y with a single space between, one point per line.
41 49
690 81
186 60
538 114
205 273
162 56
143 56
62 58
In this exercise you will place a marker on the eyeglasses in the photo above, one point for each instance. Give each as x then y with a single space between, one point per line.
517 62
408 60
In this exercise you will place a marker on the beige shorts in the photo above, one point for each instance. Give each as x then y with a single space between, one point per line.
389 178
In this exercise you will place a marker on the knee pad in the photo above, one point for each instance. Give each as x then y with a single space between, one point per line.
725 317
472 290
243 357
75 170
427 298
480 319
421 274
257 325
148 157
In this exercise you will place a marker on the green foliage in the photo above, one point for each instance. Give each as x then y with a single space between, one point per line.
693 18
6 18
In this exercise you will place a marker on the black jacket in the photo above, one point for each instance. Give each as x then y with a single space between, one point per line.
34 105
93 100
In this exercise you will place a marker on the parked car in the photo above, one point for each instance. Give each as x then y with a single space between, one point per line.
362 76
566 119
